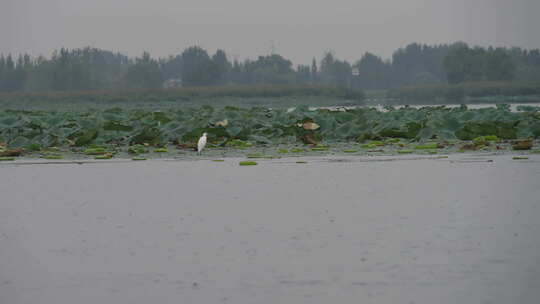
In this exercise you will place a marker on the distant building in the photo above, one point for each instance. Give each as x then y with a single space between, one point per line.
172 83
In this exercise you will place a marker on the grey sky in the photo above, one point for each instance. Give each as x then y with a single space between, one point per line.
298 30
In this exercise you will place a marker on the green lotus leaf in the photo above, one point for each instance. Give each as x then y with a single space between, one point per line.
86 137
19 142
116 126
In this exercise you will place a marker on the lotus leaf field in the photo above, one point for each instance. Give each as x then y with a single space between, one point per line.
103 134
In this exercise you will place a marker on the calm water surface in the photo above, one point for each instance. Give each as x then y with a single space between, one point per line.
338 230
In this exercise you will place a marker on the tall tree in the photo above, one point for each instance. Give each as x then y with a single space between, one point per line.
10 81
456 63
145 73
303 74
19 74
465 64
171 67
2 71
198 69
314 71
223 67
335 72
498 65
272 69
237 72
373 72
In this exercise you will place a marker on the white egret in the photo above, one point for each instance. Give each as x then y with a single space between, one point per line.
201 143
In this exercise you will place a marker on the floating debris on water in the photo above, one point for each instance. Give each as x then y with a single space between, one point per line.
104 156
52 156
247 163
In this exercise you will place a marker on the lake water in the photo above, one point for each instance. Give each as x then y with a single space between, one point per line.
513 107
334 230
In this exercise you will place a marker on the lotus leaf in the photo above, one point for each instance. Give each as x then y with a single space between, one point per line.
427 146
247 163
52 156
137 149
263 126
104 156
95 151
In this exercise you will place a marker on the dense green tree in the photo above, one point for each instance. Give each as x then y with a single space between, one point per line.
335 72
418 64
477 64
498 65
19 74
456 63
60 77
237 72
171 67
145 73
2 72
314 71
9 79
415 64
272 69
40 76
407 62
303 74
198 69
223 67
373 72
527 63
78 69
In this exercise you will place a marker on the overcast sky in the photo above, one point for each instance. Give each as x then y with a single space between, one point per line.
298 30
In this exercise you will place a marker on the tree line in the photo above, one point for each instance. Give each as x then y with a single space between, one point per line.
416 64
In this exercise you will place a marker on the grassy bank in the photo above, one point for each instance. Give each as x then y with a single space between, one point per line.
260 95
